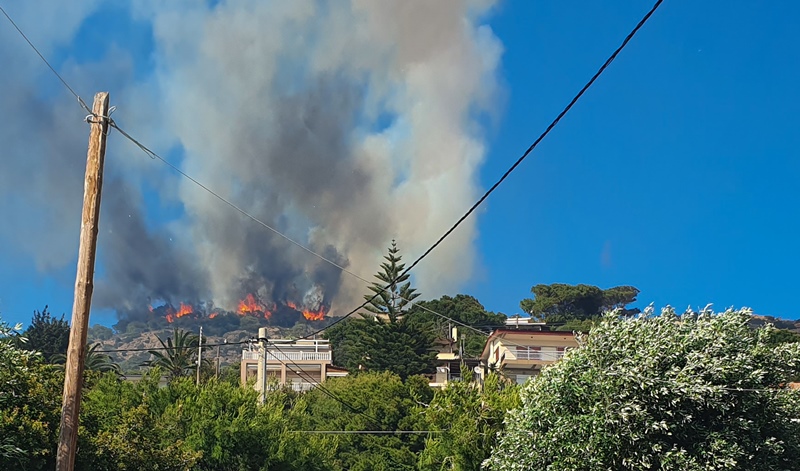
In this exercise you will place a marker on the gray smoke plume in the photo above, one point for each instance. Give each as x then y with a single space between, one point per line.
42 153
342 124
156 267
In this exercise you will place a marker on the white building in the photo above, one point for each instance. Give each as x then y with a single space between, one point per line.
301 363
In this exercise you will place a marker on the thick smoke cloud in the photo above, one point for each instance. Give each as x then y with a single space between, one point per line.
155 268
43 150
342 124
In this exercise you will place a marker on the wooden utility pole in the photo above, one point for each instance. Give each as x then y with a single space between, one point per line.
84 283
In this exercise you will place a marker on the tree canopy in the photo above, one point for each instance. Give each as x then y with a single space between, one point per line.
177 358
378 402
94 360
461 308
560 302
30 404
394 291
384 339
691 392
468 419
217 426
366 345
47 334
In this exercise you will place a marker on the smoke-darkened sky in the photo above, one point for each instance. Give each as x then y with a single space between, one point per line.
326 120
348 124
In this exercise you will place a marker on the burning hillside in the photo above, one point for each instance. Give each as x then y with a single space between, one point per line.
249 306
333 151
251 312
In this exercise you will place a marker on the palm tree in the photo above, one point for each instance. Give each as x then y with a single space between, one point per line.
94 361
177 358
99 361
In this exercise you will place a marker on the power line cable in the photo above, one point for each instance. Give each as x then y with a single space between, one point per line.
153 155
541 137
147 349
369 432
516 164
143 349
80 100
300 372
480 201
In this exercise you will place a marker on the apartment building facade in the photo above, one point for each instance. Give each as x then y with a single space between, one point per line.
521 351
300 363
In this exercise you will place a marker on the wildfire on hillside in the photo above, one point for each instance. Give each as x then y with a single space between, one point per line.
310 314
250 305
183 310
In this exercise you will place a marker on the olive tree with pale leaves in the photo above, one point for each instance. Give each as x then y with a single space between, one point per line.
671 392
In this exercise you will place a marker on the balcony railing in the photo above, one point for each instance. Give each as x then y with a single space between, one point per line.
536 355
288 356
298 356
247 355
527 355
303 386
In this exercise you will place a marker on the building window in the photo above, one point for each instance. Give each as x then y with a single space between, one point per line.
522 379
529 353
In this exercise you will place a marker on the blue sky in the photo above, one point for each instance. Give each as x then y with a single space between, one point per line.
676 172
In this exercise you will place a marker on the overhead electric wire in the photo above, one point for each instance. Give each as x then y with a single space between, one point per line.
300 372
368 432
41 56
438 242
144 349
154 155
147 349
541 136
516 163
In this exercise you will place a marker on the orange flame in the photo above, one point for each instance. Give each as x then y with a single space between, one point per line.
250 305
184 310
213 315
317 315
309 314
170 314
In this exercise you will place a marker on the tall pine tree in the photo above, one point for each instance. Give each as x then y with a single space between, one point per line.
394 290
391 344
